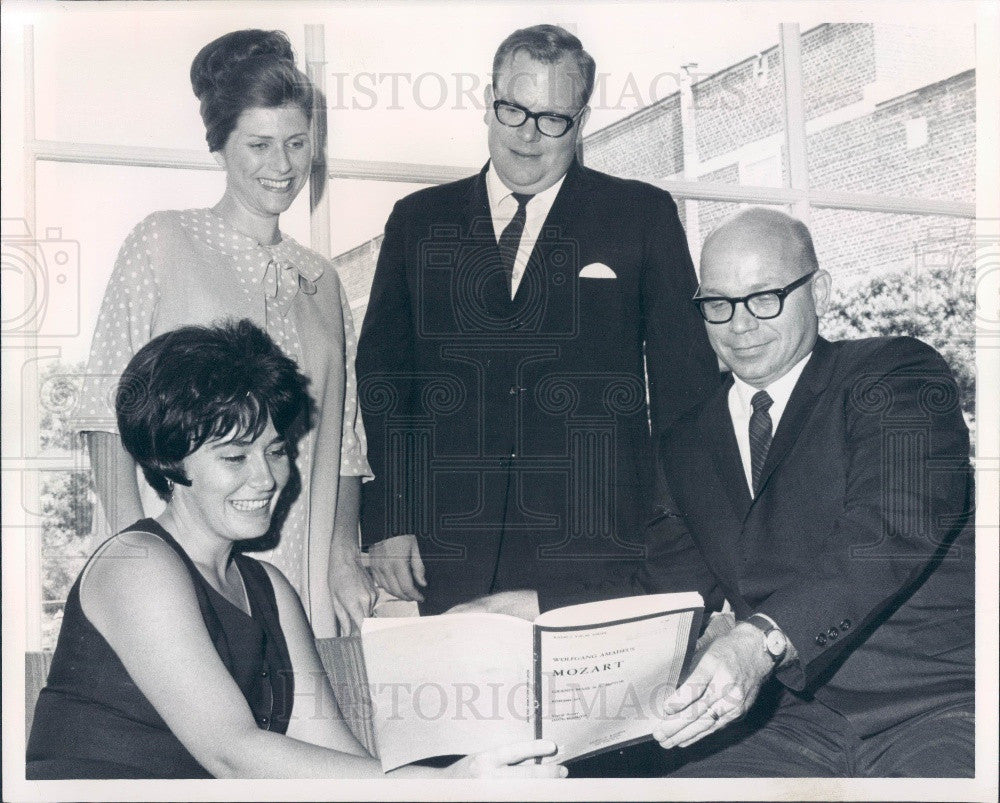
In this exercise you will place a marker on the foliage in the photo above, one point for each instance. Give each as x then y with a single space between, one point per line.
936 305
66 501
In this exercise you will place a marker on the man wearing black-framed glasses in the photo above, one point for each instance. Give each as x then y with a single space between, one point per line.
537 290
827 489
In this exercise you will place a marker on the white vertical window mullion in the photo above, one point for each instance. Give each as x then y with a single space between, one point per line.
28 389
796 159
319 198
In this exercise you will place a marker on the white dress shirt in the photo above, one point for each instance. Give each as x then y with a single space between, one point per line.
740 409
503 207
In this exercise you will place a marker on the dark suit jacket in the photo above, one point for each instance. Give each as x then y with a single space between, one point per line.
865 487
512 436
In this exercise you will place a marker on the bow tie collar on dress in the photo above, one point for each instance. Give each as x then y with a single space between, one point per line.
281 270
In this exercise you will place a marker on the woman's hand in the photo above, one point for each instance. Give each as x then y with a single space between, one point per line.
509 762
351 588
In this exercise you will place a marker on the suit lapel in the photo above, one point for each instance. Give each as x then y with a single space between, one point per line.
814 379
476 209
717 426
564 216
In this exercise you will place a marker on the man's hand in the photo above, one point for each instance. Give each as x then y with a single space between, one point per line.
397 567
522 603
721 688
352 589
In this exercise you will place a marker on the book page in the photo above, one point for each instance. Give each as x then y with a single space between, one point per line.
602 685
613 610
449 684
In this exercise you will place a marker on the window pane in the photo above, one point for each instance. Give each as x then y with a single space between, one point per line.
359 209
739 121
66 507
701 218
856 246
120 75
648 144
358 212
736 125
891 110
902 275
93 208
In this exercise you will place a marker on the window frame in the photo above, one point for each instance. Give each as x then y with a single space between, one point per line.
799 195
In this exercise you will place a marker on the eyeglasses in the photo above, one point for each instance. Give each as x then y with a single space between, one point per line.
764 304
548 123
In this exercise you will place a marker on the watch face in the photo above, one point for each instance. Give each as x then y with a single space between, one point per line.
776 643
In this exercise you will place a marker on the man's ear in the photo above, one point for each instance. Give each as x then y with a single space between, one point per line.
821 291
488 101
218 156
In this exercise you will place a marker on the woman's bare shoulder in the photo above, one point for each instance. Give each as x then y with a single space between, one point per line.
131 567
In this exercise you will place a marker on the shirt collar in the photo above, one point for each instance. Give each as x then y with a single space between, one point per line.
498 192
213 231
780 390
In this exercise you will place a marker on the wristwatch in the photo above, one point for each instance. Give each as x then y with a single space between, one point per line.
775 641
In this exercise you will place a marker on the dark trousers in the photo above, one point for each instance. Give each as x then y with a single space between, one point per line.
786 737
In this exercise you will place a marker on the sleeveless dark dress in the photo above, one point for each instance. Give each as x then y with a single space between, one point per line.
92 721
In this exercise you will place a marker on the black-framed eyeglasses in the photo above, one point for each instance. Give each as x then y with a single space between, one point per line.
763 304
550 124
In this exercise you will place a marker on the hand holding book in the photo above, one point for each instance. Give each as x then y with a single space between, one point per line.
588 677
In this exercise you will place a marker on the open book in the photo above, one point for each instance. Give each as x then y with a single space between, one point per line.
589 677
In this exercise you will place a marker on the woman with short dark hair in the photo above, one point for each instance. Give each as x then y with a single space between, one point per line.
199 266
180 657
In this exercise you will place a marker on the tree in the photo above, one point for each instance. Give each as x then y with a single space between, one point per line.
65 497
936 305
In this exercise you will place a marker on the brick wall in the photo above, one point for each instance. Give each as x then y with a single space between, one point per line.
735 107
854 245
712 213
838 61
647 143
742 105
870 154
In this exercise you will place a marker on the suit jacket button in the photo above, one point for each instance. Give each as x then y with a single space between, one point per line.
821 640
845 625
832 633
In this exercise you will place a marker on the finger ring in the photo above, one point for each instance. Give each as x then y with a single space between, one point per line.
715 715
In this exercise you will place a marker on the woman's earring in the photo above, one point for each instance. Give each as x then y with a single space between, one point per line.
170 486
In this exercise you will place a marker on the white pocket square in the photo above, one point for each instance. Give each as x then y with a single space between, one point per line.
597 270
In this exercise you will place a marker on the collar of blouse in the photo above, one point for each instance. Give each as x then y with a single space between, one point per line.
280 270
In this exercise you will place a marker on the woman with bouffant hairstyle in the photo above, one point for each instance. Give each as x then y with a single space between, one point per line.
180 657
243 70
198 266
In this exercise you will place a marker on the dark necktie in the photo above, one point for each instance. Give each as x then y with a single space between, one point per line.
760 435
510 239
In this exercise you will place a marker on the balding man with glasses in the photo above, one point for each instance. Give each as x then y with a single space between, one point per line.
502 361
827 489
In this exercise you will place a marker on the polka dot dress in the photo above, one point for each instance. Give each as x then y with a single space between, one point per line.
190 267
